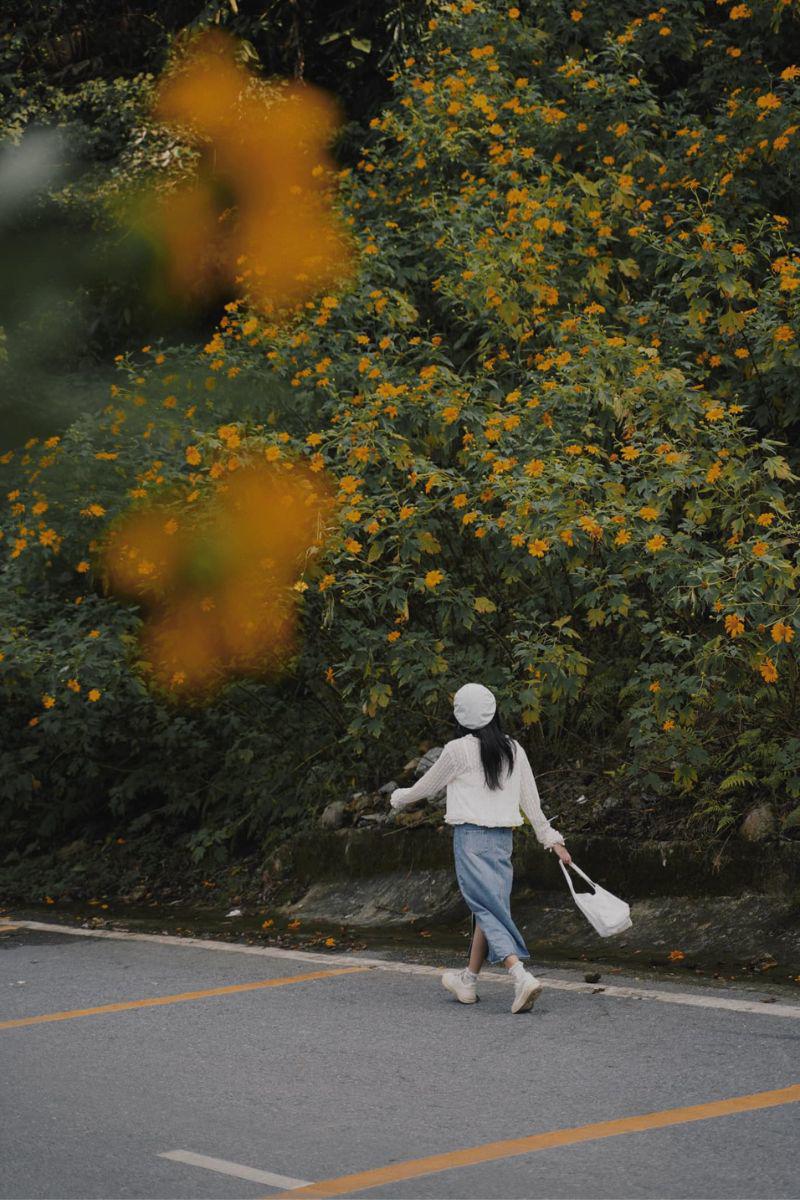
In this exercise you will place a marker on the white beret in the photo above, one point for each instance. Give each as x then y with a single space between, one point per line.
474 706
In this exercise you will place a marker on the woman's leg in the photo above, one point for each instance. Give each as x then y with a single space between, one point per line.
478 950
510 960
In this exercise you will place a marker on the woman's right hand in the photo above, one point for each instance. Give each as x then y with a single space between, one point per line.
563 853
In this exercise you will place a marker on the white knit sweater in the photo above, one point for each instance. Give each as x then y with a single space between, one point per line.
459 769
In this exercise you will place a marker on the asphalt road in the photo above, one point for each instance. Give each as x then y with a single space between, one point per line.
337 1069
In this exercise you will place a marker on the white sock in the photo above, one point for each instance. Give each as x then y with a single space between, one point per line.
517 972
469 976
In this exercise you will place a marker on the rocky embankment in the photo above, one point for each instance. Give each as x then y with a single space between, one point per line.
365 874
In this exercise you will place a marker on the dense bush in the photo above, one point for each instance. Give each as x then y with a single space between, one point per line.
557 402
83 72
347 46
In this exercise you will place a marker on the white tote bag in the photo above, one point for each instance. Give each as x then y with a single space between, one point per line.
606 912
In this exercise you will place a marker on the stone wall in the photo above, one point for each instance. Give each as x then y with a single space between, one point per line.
628 868
738 911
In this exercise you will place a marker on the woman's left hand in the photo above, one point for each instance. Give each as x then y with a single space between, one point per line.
562 852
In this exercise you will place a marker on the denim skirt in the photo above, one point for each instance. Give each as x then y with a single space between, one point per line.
484 872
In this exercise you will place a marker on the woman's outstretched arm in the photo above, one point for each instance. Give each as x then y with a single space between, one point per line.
435 778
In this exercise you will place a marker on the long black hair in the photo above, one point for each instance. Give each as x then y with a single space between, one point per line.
496 748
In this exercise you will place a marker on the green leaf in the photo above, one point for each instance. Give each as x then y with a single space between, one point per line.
778 468
428 542
588 186
737 779
731 322
629 267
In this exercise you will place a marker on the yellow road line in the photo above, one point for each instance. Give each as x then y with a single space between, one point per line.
492 1151
177 998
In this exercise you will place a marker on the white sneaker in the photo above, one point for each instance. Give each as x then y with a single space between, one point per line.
525 992
455 982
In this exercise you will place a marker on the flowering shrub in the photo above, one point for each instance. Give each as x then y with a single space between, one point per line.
555 403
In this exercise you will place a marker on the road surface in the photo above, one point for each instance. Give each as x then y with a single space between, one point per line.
160 1068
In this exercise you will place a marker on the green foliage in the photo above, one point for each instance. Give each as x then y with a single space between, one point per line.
76 85
345 46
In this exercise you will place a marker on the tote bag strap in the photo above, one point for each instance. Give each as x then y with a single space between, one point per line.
568 878
583 875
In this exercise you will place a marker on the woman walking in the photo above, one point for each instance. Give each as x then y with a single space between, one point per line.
488 779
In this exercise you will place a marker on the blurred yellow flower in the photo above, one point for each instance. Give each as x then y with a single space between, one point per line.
265 147
782 632
734 625
656 543
220 590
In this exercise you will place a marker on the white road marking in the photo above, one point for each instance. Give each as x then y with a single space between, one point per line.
632 993
792 1011
223 1167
